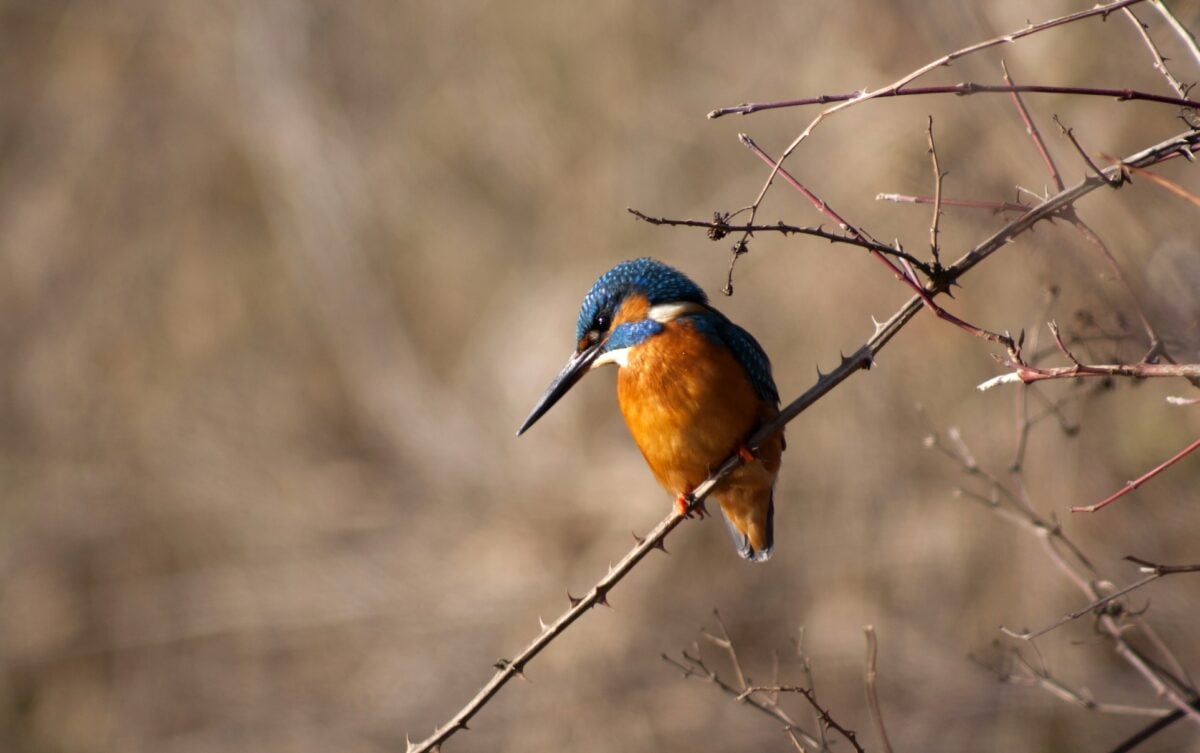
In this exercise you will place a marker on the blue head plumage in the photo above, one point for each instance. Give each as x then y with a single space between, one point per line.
653 279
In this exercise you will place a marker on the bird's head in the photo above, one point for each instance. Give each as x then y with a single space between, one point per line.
625 307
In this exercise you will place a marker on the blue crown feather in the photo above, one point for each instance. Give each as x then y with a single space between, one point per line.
653 279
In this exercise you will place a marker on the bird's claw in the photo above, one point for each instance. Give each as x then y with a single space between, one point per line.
684 507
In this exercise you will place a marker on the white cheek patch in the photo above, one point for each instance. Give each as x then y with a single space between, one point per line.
667 312
619 357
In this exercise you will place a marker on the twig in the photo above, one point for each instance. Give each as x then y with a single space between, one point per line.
963 89
826 718
1139 480
937 196
1160 63
1030 675
1032 129
1147 566
1114 181
1185 34
1030 374
694 665
718 228
872 691
1148 732
1027 635
725 642
995 206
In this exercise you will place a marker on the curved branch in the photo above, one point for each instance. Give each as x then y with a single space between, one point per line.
962 89
860 359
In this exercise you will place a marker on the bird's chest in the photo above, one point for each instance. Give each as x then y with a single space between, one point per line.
687 403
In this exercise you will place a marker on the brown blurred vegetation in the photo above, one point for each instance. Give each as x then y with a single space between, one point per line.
279 280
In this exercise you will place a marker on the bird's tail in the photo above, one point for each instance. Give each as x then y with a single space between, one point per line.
750 523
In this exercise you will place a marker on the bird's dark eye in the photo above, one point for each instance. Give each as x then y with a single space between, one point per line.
601 323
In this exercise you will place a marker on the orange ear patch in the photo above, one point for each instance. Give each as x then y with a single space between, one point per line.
634 308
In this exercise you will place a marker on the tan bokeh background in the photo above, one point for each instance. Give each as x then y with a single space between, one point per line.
279 280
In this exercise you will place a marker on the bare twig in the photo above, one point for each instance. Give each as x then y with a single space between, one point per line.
994 206
693 665
1146 566
1113 180
1027 674
1185 35
872 691
965 88
723 641
1032 129
1028 635
938 175
718 228
1160 63
1139 480
1030 374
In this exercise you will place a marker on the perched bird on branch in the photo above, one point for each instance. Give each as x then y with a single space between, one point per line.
692 385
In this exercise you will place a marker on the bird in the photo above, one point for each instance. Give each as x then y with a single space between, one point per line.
692 387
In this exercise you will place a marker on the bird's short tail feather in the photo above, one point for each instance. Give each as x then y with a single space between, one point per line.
741 541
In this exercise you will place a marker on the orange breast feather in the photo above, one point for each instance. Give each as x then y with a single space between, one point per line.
689 404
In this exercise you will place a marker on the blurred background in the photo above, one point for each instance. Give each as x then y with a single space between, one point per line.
279 280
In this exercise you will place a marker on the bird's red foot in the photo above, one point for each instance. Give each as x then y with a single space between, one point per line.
744 453
681 507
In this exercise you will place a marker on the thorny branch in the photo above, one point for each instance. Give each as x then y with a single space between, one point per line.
1056 205
963 89
861 359
718 227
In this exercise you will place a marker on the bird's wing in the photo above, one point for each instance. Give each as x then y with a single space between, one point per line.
750 355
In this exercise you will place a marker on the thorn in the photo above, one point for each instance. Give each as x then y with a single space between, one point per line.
520 673
639 539
661 544
573 599
501 664
542 623
602 598
462 725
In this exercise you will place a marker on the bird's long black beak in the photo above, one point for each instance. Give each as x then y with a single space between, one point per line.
577 366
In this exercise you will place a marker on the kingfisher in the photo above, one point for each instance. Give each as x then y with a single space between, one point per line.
692 386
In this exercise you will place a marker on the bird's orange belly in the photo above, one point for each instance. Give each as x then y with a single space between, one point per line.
689 405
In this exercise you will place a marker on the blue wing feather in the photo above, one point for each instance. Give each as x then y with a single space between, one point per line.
745 350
